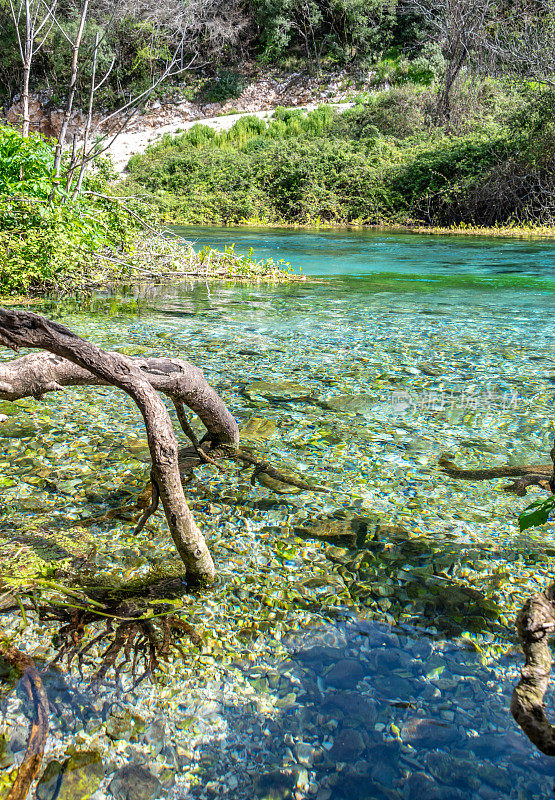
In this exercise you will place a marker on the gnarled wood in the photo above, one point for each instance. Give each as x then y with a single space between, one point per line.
38 730
526 474
140 379
535 625
38 373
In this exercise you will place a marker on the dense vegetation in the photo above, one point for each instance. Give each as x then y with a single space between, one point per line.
384 161
49 240
45 239
220 38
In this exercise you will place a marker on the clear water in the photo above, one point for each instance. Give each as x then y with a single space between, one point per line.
380 668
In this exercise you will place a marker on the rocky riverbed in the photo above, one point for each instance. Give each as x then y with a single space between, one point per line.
357 644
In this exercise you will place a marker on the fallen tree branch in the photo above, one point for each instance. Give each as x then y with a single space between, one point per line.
139 378
38 373
526 474
264 466
535 625
38 730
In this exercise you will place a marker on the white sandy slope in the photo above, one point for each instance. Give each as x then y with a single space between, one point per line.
128 144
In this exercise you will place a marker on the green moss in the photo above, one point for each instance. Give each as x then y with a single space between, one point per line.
35 552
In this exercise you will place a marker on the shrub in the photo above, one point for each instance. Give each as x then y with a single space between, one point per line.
227 85
45 239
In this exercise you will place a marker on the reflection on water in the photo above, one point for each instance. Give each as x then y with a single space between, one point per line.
358 644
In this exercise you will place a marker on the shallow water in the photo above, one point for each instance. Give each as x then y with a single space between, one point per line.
378 664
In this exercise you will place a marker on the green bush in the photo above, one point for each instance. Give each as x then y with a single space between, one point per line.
46 240
227 85
381 162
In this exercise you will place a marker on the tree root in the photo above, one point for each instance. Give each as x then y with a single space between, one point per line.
74 361
38 730
527 474
143 629
535 625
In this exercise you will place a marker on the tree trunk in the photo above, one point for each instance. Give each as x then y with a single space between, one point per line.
28 55
140 378
71 91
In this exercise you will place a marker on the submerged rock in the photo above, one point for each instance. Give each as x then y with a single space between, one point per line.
134 783
347 532
279 390
352 706
349 403
77 778
427 732
279 784
347 746
345 674
457 771
119 724
258 429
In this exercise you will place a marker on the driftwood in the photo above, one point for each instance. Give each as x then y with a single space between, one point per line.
536 620
526 474
73 361
535 625
38 730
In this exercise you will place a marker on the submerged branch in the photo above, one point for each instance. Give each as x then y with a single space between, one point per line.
38 730
535 625
139 378
526 474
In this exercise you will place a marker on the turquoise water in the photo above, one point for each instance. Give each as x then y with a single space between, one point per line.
358 645
363 252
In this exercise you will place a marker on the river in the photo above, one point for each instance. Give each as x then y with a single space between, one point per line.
358 645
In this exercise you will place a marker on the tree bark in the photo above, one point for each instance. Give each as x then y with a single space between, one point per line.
38 730
71 90
34 375
535 625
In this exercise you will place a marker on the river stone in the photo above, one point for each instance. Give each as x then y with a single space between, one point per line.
279 390
78 777
349 532
353 706
430 369
305 753
497 777
393 686
349 403
417 730
278 784
119 724
155 734
134 783
12 429
456 771
420 786
345 674
258 429
6 752
319 655
383 660
347 746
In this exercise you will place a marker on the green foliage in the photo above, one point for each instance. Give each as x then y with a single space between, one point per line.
26 164
46 240
339 30
398 113
384 161
536 514
227 85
